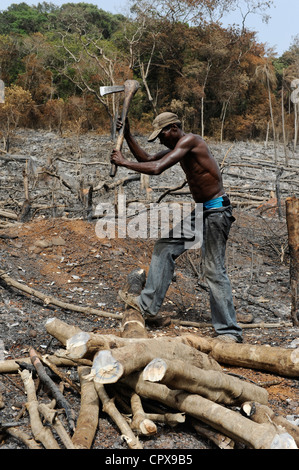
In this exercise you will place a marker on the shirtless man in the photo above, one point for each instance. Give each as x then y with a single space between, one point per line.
205 183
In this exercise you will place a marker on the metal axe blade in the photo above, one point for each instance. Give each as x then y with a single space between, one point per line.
105 90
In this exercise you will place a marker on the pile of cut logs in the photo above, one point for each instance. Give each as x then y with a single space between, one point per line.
134 373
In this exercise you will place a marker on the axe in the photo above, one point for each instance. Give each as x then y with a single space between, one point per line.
129 87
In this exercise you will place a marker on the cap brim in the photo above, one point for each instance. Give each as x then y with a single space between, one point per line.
154 135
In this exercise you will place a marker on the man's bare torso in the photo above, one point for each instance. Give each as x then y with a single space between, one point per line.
202 171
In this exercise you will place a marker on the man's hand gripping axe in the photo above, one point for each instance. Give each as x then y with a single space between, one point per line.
130 87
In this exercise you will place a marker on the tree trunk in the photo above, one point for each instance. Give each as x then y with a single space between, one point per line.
292 215
87 422
214 385
284 362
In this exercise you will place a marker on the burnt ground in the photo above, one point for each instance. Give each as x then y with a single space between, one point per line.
62 256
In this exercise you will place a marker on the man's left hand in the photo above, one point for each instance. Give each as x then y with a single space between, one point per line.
117 157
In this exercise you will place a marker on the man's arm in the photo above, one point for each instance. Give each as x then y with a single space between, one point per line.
166 159
140 154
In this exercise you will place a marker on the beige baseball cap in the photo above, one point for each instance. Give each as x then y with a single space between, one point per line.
161 121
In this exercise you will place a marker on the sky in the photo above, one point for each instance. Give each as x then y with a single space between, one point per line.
279 33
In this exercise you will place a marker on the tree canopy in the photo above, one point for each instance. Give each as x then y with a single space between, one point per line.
220 80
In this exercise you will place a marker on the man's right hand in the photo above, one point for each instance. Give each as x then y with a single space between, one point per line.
119 125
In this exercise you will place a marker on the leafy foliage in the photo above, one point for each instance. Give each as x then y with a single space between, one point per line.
220 81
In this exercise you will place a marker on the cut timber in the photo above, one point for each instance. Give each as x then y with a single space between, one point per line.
84 344
140 422
214 385
263 414
110 366
133 325
61 330
292 215
284 362
87 421
224 420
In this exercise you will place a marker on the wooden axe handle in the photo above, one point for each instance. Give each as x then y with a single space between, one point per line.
131 86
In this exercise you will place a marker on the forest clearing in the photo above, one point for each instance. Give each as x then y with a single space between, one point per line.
58 280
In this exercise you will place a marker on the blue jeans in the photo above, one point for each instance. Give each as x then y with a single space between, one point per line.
216 226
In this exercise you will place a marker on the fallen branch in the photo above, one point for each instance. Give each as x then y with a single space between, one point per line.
87 422
51 417
110 408
17 433
12 365
50 300
40 433
61 401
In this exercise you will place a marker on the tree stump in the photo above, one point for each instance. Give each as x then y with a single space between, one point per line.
133 324
292 215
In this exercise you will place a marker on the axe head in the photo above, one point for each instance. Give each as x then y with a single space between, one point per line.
106 90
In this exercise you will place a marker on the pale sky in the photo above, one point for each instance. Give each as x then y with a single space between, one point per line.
279 33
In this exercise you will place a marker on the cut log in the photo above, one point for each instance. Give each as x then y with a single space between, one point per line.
224 420
263 414
133 325
110 365
292 215
214 385
87 421
171 419
84 344
140 422
284 362
61 330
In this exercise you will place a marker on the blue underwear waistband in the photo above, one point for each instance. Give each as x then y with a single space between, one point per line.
220 201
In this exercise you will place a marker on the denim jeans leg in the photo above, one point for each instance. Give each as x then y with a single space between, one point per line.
166 251
216 229
160 274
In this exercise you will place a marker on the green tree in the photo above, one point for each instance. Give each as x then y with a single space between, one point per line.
22 19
